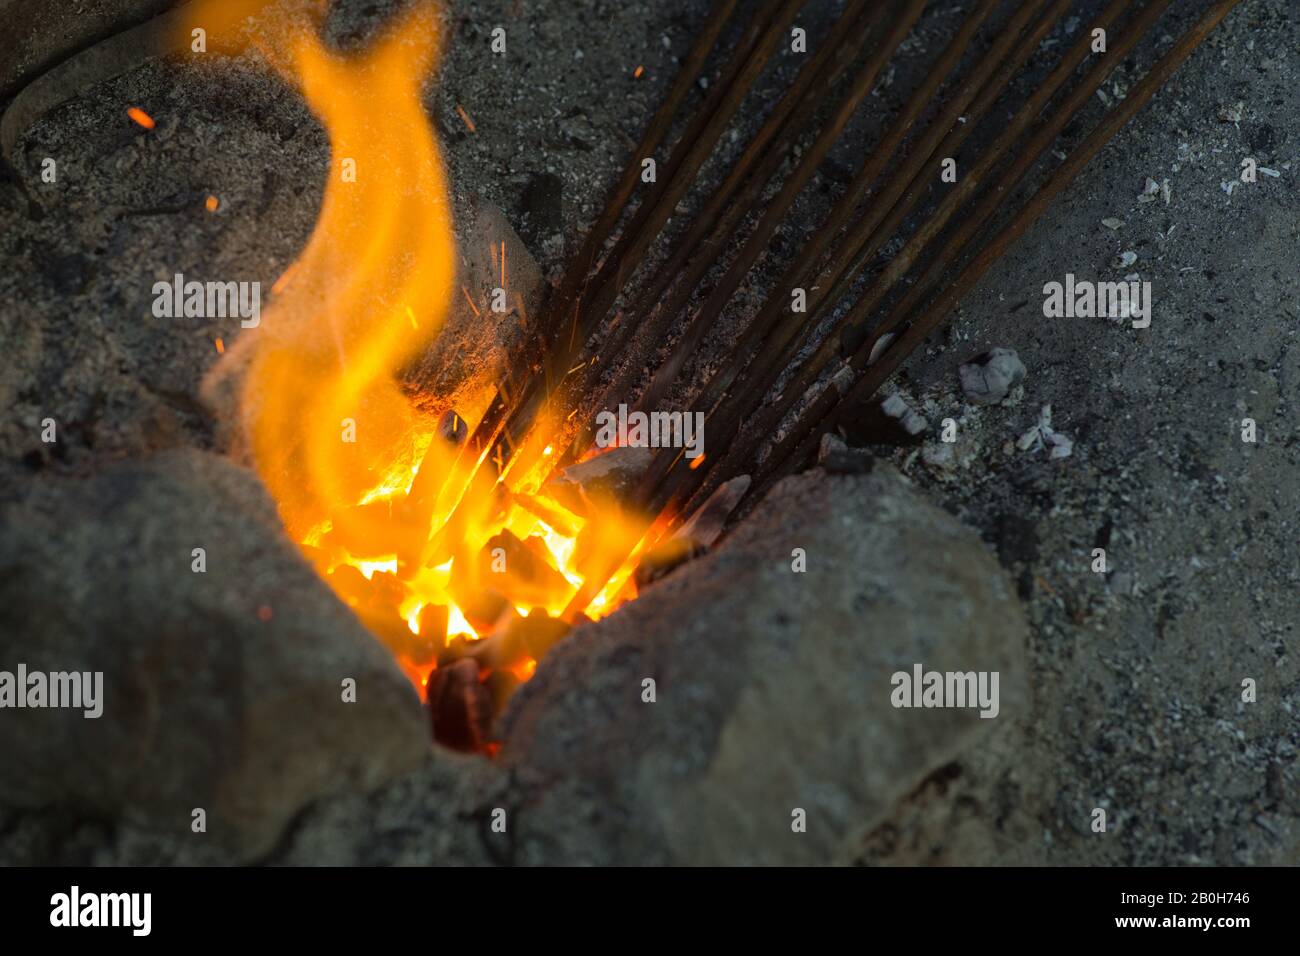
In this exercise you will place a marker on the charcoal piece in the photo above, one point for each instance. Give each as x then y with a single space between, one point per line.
705 526
433 632
504 648
666 557
989 377
607 479
460 709
499 685
839 459
456 648
539 632
520 569
480 602
884 421
352 587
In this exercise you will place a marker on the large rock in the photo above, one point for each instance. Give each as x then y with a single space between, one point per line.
773 687
222 690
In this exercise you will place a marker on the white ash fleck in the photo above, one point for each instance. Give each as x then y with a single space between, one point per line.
1124 259
1041 435
1113 223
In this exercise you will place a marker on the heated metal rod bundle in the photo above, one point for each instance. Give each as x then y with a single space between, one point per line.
931 299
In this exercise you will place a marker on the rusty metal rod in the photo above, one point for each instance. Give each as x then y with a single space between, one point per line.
581 264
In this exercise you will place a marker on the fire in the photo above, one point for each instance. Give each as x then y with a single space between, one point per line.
431 546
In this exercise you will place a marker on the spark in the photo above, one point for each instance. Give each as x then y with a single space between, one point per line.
221 346
470 301
141 117
637 73
469 123
285 276
211 204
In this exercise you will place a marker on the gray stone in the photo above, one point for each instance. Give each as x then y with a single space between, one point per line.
222 690
477 344
988 378
611 476
773 687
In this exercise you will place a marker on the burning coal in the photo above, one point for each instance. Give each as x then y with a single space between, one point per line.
447 556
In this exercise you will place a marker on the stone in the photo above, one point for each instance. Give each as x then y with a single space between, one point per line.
222 689
477 344
772 687
609 477
705 526
989 377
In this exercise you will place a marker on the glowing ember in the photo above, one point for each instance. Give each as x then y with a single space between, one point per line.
432 551
140 117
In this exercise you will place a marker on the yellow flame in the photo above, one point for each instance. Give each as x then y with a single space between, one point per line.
362 477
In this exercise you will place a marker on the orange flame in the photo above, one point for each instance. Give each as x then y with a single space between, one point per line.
392 514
